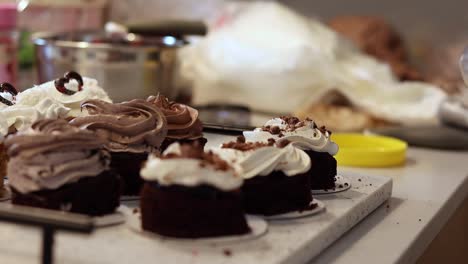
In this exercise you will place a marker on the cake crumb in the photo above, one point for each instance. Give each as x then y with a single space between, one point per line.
227 252
359 180
346 184
419 220
340 186
240 139
135 210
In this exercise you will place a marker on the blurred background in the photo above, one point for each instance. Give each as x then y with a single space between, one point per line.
430 28
420 40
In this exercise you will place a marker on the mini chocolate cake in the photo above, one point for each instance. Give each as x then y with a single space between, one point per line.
276 185
57 166
94 196
191 194
183 123
306 135
133 130
209 211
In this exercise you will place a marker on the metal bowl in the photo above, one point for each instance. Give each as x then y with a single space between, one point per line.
127 66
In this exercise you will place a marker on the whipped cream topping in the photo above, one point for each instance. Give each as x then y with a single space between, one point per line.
45 102
20 117
296 65
90 90
264 160
306 135
53 153
188 171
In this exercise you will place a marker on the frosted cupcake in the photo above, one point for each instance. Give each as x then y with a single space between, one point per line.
15 116
57 166
305 135
183 123
276 179
191 194
133 130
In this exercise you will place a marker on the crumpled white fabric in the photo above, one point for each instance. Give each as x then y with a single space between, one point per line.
271 59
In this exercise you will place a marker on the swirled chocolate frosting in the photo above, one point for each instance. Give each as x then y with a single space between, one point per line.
182 120
135 126
53 153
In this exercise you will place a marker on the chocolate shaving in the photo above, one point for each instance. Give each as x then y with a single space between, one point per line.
283 143
194 151
275 130
246 146
271 141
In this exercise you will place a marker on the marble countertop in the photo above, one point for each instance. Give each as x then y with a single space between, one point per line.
426 192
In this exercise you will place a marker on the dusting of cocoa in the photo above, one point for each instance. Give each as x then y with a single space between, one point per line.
246 146
193 151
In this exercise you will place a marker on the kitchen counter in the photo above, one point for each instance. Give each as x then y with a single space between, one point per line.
426 193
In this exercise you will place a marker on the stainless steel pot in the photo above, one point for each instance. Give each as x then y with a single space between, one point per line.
127 67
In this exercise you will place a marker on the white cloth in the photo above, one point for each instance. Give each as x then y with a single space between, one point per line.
271 59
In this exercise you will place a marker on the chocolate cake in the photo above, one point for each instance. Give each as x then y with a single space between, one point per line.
323 171
191 194
306 135
275 175
276 194
183 123
94 196
57 166
133 130
192 212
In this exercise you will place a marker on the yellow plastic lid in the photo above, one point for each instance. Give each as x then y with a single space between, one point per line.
358 150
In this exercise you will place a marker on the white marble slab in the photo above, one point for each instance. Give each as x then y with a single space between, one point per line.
292 241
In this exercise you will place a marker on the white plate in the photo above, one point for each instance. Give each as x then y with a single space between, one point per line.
342 184
257 225
111 219
296 214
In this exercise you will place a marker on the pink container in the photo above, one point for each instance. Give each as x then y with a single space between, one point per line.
8 43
